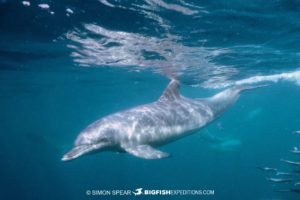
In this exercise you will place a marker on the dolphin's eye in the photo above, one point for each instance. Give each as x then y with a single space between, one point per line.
104 139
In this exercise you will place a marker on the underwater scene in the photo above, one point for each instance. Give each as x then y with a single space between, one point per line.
150 99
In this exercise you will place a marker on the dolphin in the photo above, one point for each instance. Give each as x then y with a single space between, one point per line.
140 130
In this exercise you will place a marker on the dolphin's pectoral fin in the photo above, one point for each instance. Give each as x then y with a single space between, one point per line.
146 152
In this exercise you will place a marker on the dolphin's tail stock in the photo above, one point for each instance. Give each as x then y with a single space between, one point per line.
227 98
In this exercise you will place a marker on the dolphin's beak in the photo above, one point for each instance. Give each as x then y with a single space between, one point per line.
77 151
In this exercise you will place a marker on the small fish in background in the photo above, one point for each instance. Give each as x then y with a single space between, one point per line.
295 150
296 132
280 180
44 6
69 12
297 184
284 174
267 169
290 162
26 3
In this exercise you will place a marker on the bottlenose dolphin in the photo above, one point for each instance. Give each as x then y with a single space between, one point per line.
141 129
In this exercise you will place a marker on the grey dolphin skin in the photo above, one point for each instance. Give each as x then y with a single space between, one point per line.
140 130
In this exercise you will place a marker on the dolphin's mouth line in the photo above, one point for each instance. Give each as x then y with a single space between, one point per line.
77 151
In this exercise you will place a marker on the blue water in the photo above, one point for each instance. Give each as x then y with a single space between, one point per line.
62 70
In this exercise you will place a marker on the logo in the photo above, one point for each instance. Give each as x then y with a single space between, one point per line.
138 191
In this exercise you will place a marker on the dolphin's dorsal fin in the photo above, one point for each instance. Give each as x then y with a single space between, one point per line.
172 92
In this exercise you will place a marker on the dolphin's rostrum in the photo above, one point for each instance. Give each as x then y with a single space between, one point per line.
140 130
